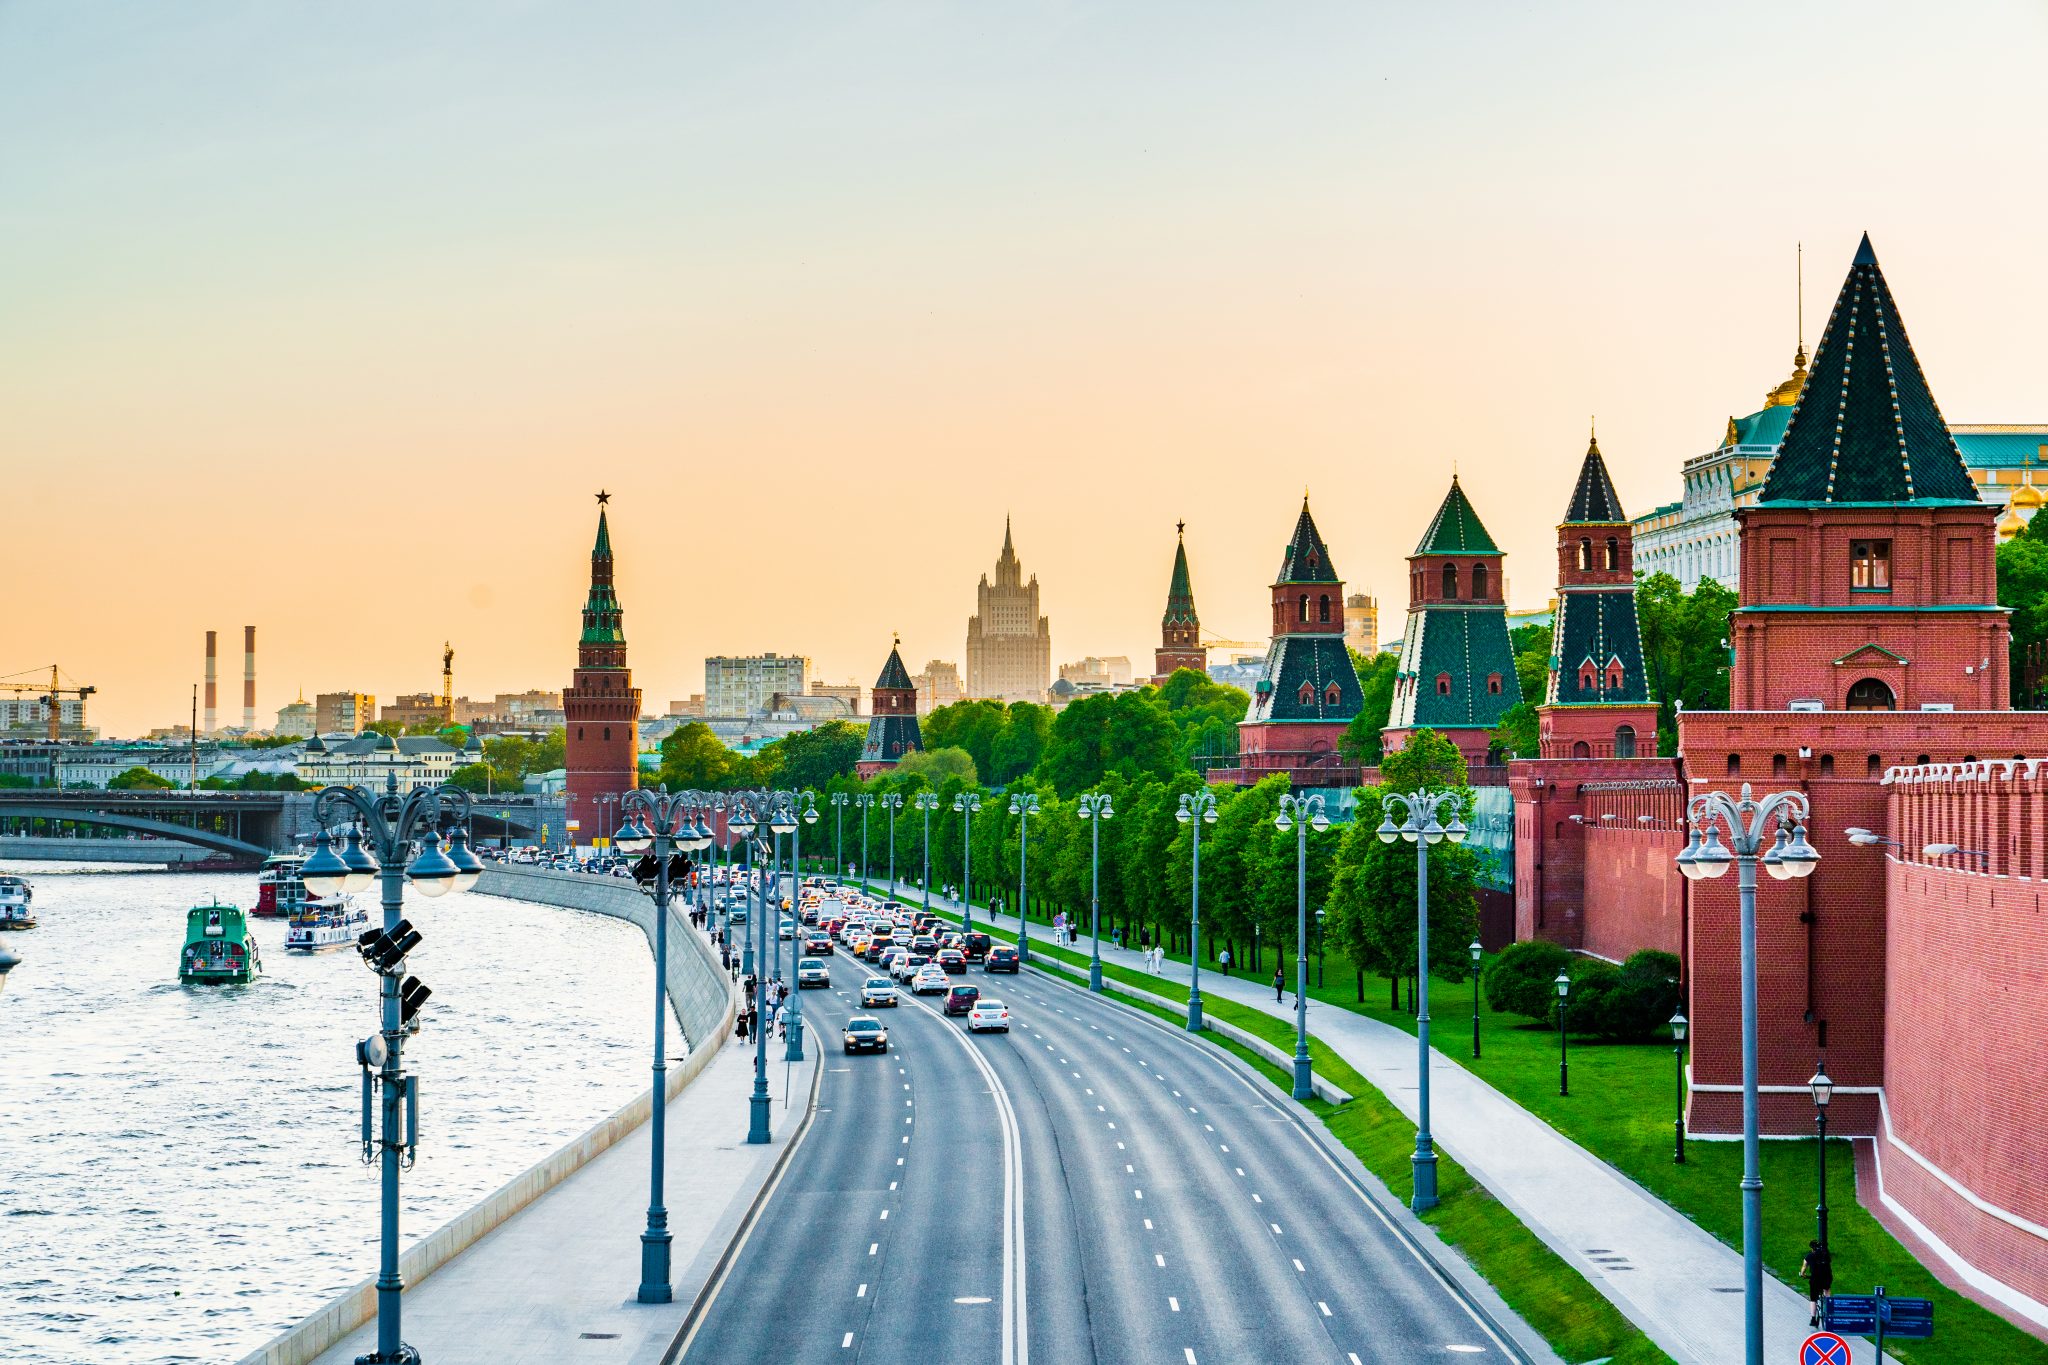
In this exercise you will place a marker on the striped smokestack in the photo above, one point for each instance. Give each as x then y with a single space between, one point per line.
212 679
249 678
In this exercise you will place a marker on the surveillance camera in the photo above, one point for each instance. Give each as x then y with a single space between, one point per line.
372 1052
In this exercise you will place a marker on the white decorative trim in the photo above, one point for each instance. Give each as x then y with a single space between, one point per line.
1983 1205
1876 1090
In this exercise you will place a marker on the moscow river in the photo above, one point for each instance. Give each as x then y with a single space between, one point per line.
183 1169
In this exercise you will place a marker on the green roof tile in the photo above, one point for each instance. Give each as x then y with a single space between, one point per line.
1468 644
1456 529
1594 498
1312 661
1306 559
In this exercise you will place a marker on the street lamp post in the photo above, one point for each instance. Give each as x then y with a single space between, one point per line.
1301 814
967 803
866 802
742 823
392 823
1678 1024
1564 1075
927 801
1477 952
892 802
1422 828
1024 805
796 810
1095 808
1747 820
840 801
1823 1088
1196 809
635 835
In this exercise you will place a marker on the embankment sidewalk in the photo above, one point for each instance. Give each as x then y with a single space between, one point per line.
1677 1282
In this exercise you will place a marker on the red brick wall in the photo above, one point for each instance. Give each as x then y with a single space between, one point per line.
1550 847
599 702
1635 895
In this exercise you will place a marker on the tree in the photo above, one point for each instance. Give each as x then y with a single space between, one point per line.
812 758
477 777
1531 645
1519 731
692 757
2023 586
1685 648
1360 744
1127 733
393 728
1020 745
971 725
939 767
138 779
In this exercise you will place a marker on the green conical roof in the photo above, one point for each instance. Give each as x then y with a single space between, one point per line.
1456 530
1594 499
1866 429
603 548
894 674
1306 560
1180 593
602 617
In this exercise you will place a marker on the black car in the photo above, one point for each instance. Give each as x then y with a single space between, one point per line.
975 945
864 1033
1000 959
961 999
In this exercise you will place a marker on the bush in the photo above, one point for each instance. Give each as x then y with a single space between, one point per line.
1520 981
1633 1000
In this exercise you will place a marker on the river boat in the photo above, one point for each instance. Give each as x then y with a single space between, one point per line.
280 889
219 949
325 924
16 908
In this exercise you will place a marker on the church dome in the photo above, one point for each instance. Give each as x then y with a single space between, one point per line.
2010 525
2026 495
1787 393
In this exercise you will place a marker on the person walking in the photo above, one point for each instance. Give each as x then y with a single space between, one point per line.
1224 957
1819 1270
1279 982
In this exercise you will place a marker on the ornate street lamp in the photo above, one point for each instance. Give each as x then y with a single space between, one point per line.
1422 828
1477 952
1196 810
1023 805
893 803
967 803
866 802
1747 819
927 801
1823 1088
1301 814
1678 1026
1564 994
840 801
793 811
742 823
1095 808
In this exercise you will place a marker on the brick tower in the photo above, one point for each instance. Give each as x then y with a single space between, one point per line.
1598 702
601 706
892 731
1180 630
1308 691
1457 669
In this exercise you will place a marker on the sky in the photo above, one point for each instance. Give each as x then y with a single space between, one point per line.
331 319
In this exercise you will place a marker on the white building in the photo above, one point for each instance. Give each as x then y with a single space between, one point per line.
368 760
746 684
27 717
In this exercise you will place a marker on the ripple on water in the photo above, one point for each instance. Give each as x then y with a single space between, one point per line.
192 1154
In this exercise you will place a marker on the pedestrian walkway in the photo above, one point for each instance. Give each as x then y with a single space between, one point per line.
558 1280
1677 1282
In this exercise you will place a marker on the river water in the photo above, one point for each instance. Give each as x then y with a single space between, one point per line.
182 1168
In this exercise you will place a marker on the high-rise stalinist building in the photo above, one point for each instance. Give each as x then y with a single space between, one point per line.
1009 645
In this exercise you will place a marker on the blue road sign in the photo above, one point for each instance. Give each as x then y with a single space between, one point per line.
1824 1348
1861 1314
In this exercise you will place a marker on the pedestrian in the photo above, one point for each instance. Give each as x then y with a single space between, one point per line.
1225 956
1279 980
1819 1270
1158 958
740 1025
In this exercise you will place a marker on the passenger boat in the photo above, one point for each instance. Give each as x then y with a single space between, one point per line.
280 891
323 924
16 912
219 949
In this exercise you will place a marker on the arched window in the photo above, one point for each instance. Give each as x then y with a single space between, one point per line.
1734 765
1588 678
1304 607
1443 684
1871 694
1922 760
1585 553
1624 741
1827 765
1450 580
1614 674
1873 766
1613 553
1332 695
1479 580
1777 765
1493 684
1308 694
1582 750
607 732
1323 608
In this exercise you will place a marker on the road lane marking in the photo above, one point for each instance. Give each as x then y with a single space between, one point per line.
1129 1169
1148 1225
1224 1145
1257 1200
1173 1303
1140 1194
872 1246
1326 1309
892 1186
885 1218
1299 1266
1276 1229
861 1292
1190 1354
1158 1260
847 1342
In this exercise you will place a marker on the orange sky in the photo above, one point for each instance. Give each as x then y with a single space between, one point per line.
332 320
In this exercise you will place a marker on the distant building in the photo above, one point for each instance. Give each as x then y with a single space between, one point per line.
938 685
336 713
850 693
418 708
297 718
1242 671
810 709
1098 673
1362 623
369 760
693 709
743 684
602 736
94 765
28 717
511 710
1009 645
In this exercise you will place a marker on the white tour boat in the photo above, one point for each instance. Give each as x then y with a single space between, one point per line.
16 911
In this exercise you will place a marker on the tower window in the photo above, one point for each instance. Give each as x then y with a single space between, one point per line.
1333 694
1614 674
1582 750
1450 580
1493 684
1777 765
1585 553
1589 677
1443 684
579 732
1308 694
1873 766
1304 607
1871 694
607 732
1613 553
1323 608
1734 765
1479 580
1624 741
1827 765
1870 564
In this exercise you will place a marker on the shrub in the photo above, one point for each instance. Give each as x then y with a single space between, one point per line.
1519 981
1634 1000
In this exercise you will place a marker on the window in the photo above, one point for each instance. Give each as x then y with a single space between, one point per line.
1734 765
1624 741
1443 684
1333 694
1922 760
1304 606
1777 765
1871 694
1585 553
1323 608
1588 677
1308 694
1873 766
1870 565
1827 765
607 732
1613 553
1479 580
1450 580
1493 684
1614 673
579 732
1582 750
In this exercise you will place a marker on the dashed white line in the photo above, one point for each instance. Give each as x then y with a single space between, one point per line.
1299 1266
1276 1229
847 1343
885 1218
1139 1194
1158 1260
1173 1303
1326 1309
861 1292
1148 1225
872 1246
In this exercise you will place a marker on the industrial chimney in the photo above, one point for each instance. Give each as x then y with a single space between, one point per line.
212 680
249 679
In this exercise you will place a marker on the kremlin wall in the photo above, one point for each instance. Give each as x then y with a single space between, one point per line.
1868 671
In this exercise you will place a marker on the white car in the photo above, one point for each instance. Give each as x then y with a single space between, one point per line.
877 993
931 979
906 967
987 1016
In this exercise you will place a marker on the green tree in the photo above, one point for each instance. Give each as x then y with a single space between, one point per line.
693 757
1685 648
2023 586
477 777
1360 744
971 725
393 728
1128 733
1020 745
812 758
938 767
1519 731
138 779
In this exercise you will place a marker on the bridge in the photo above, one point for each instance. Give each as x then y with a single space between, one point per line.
244 826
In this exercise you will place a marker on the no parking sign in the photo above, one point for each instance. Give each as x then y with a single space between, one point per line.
1824 1348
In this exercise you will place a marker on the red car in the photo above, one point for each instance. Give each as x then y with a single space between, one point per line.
961 999
952 960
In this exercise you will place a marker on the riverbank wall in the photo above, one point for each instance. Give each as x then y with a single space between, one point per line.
704 1000
156 852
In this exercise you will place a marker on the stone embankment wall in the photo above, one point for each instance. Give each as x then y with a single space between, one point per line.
146 852
703 998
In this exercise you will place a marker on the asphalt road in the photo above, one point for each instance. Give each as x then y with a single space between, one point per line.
1095 1186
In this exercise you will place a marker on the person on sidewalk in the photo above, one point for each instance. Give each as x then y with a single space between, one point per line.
1224 958
1819 1270
1279 982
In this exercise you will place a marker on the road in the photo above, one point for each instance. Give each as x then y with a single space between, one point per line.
1094 1186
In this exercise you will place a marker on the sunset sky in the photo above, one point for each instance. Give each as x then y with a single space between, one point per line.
331 318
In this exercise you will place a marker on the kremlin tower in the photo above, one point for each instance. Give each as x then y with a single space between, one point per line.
1308 691
892 730
601 706
1180 630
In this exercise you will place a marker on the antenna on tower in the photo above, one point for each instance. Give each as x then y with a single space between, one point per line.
1799 277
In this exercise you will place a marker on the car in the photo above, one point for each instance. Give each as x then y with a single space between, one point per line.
877 945
929 980
857 944
788 929
864 1033
810 971
878 992
736 911
986 1016
975 945
889 957
924 943
961 998
1000 958
952 940
817 944
951 961
834 928
909 965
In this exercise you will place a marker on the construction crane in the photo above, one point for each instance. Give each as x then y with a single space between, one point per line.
52 698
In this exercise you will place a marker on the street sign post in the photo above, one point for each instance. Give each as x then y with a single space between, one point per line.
1880 1315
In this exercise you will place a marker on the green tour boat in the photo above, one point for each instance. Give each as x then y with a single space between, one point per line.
219 950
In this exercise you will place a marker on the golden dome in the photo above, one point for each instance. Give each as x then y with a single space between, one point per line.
2026 495
1787 393
2010 525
